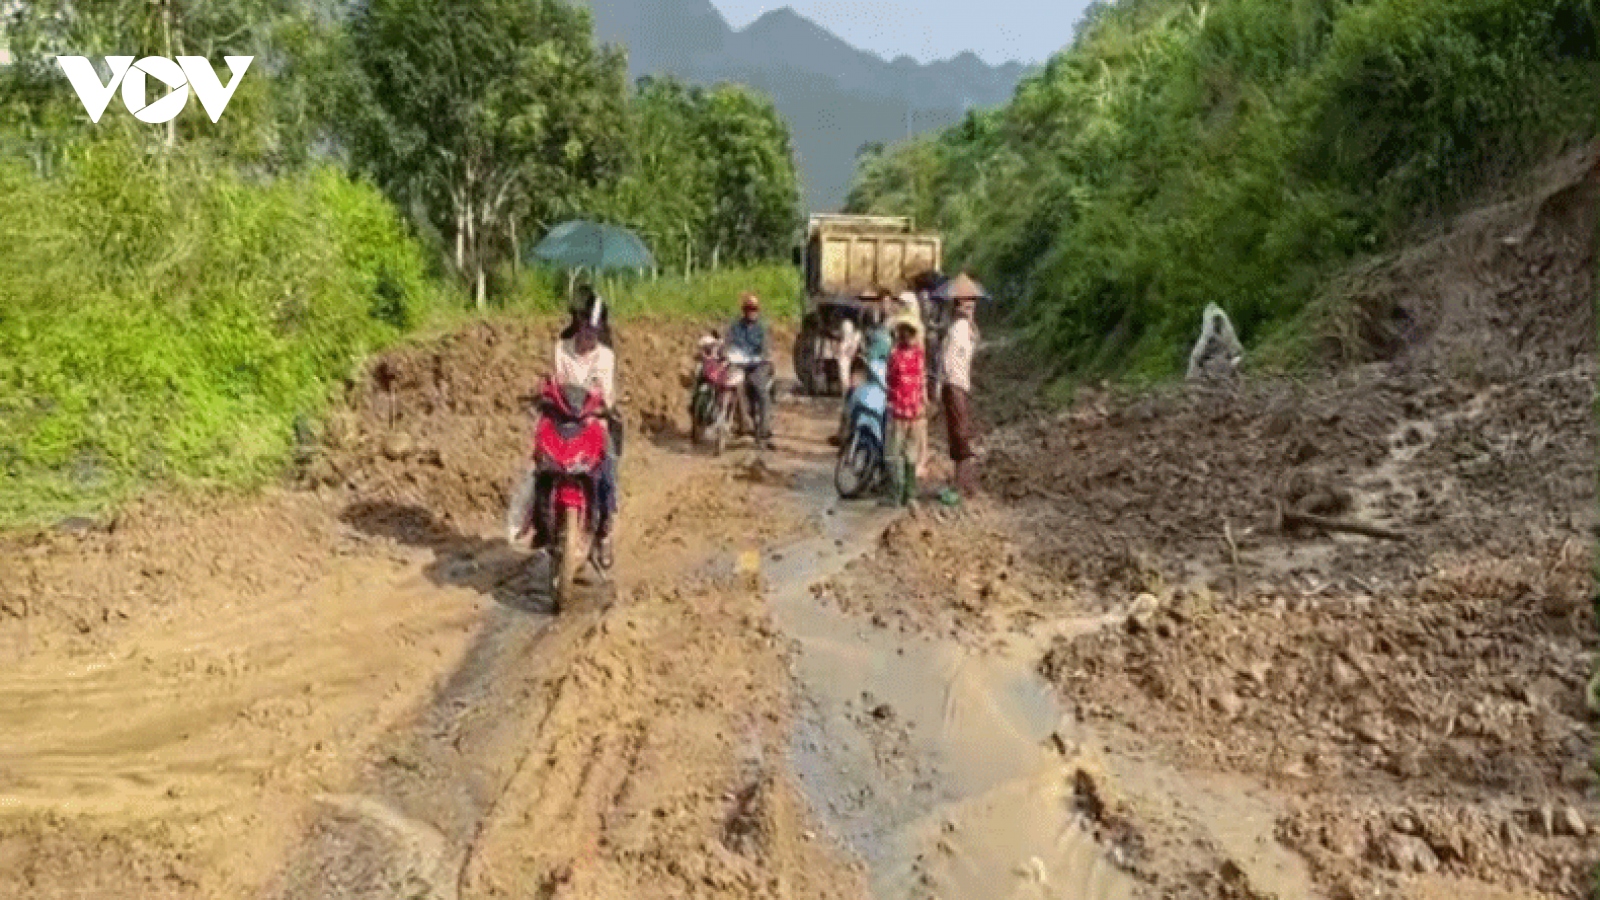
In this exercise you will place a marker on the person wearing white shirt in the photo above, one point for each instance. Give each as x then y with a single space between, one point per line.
849 343
955 363
582 360
585 361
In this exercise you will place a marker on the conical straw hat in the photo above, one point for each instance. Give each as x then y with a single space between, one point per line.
963 287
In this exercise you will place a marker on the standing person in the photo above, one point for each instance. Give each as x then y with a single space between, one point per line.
960 344
877 342
935 320
907 390
748 336
904 307
908 311
849 343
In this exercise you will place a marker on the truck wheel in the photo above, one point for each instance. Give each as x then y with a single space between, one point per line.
803 365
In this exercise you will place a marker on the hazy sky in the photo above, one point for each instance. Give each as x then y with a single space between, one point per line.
996 30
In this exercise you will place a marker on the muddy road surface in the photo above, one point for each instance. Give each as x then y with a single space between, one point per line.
354 688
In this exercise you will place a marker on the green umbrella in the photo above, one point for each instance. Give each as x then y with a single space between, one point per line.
581 244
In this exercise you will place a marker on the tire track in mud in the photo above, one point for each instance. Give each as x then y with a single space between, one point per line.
411 823
408 825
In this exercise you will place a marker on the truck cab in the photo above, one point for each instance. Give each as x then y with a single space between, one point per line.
845 262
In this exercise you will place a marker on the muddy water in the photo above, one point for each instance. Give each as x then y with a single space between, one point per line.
934 765
951 774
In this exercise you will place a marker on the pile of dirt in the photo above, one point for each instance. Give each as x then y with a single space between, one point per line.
1466 690
441 425
1476 434
1503 291
967 582
1196 479
1417 705
79 591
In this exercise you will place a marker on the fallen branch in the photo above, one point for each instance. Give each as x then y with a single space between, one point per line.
1289 518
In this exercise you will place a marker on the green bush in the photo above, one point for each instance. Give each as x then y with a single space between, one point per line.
1237 151
167 319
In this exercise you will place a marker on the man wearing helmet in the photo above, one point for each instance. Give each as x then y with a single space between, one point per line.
747 338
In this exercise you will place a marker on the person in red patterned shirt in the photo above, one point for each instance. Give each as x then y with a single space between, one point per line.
908 391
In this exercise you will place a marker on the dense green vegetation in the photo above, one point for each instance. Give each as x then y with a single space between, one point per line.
1236 151
179 302
709 177
166 319
498 119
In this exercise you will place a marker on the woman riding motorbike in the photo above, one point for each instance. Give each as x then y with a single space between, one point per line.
584 359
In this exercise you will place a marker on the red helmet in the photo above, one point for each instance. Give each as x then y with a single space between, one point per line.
749 302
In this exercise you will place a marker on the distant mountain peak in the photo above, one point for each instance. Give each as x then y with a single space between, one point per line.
785 25
835 96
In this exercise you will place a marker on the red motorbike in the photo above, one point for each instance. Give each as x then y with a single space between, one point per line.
559 500
714 406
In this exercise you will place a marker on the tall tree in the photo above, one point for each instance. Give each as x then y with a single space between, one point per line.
756 191
484 112
271 118
665 189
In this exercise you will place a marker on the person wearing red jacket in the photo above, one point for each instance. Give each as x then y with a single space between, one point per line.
908 393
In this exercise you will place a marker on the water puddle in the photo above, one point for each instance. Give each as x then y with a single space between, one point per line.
934 765
951 773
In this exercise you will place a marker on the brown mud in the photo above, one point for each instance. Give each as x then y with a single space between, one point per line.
1412 712
353 688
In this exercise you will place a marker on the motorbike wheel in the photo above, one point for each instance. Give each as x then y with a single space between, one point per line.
567 560
852 474
722 427
701 408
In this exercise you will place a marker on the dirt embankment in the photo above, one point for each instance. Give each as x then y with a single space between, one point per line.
1416 706
218 701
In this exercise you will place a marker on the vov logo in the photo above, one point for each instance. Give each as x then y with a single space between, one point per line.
188 72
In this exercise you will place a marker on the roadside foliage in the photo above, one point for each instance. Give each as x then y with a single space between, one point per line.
1236 151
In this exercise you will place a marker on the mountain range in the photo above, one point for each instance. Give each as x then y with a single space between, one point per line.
836 97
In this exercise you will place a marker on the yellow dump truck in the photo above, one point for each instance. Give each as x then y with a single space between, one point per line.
847 259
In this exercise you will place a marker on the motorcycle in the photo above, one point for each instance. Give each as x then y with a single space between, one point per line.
714 407
861 468
570 441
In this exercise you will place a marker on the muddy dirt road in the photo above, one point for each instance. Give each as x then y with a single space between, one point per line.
353 690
